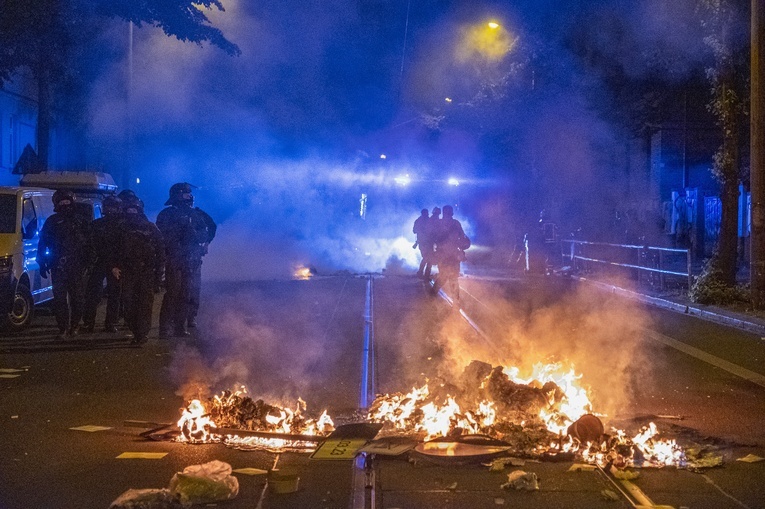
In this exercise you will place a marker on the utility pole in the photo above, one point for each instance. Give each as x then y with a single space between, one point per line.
127 176
757 148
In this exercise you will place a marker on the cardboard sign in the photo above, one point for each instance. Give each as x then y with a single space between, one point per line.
338 449
344 443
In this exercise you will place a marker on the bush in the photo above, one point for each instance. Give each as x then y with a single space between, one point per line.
709 288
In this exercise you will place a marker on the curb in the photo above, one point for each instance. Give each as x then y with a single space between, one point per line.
704 314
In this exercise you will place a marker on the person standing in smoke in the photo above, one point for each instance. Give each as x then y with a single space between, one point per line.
64 250
434 225
105 235
140 266
451 243
421 229
186 231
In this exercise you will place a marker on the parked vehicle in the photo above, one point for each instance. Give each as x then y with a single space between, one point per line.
23 210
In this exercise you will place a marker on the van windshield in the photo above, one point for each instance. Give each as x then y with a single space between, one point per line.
7 213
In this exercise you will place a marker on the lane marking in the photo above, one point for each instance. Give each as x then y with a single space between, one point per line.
631 492
363 478
367 358
91 428
265 486
734 369
142 455
489 342
710 481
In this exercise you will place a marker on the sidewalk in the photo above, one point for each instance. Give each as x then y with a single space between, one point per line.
747 320
675 300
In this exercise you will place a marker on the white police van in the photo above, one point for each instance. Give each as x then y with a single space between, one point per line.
23 210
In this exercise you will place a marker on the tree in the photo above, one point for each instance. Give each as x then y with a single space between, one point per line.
43 36
728 78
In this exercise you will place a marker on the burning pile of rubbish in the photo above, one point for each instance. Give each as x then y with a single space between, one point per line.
234 418
547 415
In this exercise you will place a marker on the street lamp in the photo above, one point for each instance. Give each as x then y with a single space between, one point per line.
487 41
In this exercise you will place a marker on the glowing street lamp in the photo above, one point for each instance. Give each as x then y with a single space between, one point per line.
488 41
453 181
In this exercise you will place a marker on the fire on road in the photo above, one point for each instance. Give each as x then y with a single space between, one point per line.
437 379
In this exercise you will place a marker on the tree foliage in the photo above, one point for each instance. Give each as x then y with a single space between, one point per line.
184 19
728 77
47 36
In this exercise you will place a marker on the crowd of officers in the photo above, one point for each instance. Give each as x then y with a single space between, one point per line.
134 256
442 243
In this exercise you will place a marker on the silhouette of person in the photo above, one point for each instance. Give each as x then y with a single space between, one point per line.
451 243
423 230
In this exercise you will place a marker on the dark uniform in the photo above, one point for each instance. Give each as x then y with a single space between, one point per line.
186 232
421 229
65 250
105 237
451 243
140 265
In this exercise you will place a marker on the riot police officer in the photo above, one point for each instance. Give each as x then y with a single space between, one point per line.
139 267
186 232
105 232
65 250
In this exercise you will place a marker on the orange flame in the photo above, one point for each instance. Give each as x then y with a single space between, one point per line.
197 426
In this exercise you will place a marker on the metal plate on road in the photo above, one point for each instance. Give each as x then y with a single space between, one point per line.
339 449
365 430
389 446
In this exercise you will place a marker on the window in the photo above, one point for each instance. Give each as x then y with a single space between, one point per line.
28 219
7 213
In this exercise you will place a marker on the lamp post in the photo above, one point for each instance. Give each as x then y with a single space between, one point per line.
128 169
757 148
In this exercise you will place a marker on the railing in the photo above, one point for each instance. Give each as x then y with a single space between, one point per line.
654 264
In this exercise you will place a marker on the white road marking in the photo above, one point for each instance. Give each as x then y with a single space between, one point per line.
707 357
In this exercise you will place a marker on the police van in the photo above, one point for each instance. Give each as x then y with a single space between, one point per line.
23 210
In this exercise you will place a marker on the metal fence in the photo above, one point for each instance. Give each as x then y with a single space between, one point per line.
655 266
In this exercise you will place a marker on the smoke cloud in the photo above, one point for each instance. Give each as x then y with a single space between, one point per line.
286 140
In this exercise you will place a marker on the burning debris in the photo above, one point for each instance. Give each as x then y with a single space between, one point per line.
234 418
496 402
547 415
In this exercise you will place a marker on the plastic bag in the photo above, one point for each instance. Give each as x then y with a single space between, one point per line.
520 480
202 484
146 499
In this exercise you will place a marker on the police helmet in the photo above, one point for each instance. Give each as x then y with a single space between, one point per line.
112 205
62 199
133 205
126 193
179 192
448 211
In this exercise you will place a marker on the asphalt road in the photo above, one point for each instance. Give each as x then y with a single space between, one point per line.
290 339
